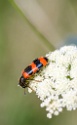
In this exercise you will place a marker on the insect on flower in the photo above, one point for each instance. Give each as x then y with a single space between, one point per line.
30 70
56 85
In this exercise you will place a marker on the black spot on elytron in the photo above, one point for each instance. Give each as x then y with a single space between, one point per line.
38 63
46 59
28 70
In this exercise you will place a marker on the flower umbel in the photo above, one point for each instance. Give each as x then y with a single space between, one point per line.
57 86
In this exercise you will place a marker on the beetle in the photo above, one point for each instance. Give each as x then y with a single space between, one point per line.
30 70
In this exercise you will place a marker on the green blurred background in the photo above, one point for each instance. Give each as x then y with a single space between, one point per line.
26 34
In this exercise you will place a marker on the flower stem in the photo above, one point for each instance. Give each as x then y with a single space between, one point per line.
46 42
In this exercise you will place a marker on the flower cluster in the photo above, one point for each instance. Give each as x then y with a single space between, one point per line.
57 86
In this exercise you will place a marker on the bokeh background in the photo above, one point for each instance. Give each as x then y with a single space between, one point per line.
29 29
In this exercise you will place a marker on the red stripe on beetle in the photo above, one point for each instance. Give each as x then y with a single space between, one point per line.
25 75
43 61
34 68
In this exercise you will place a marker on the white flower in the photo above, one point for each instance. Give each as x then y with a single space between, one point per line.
57 86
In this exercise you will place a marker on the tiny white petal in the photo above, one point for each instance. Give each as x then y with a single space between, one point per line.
29 90
56 113
49 115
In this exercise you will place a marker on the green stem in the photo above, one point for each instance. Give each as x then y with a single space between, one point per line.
44 39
